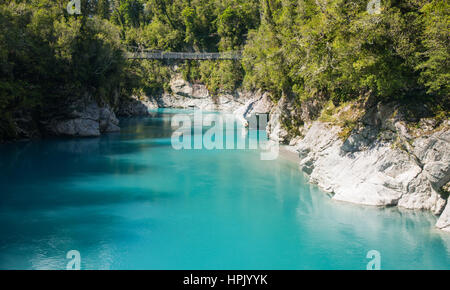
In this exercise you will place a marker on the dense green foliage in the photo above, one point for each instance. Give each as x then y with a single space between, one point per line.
308 47
188 25
299 49
48 58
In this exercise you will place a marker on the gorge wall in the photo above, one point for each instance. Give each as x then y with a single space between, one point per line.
378 160
381 163
364 153
84 117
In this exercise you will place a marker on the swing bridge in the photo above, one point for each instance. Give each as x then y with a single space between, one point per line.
137 53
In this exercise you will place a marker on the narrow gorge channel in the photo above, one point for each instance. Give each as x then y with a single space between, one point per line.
129 201
225 135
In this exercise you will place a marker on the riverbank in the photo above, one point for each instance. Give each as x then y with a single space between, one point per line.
129 201
364 153
360 152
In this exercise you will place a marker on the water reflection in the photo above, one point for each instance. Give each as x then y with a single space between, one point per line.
129 201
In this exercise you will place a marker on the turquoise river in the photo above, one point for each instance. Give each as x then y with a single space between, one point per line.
130 201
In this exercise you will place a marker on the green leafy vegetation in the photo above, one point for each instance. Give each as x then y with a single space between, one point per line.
189 26
298 49
48 58
336 48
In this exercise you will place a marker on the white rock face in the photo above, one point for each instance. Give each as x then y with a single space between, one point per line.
259 104
77 128
378 175
85 121
365 169
196 96
444 220
275 130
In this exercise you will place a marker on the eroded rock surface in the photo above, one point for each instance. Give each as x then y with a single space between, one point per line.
185 95
381 163
84 119
444 220
133 107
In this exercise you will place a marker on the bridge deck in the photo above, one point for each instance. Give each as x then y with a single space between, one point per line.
185 55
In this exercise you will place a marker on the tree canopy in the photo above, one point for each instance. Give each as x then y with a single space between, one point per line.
299 49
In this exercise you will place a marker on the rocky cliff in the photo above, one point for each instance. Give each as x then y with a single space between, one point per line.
196 96
361 153
83 117
381 160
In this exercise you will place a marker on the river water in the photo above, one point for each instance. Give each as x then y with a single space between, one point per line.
130 201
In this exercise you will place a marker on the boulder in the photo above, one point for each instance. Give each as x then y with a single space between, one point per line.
76 127
181 87
196 96
89 120
444 220
368 171
108 121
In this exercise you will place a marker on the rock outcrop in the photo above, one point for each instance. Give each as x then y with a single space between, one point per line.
381 163
444 220
133 107
286 121
259 104
83 119
196 96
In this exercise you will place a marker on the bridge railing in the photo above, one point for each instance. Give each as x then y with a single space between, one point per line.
231 55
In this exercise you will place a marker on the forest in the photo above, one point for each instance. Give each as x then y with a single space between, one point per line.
299 49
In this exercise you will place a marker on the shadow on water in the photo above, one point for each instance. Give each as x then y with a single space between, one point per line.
392 231
57 162
41 241
62 197
129 201
43 210
63 158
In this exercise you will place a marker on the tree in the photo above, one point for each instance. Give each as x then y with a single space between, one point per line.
435 65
